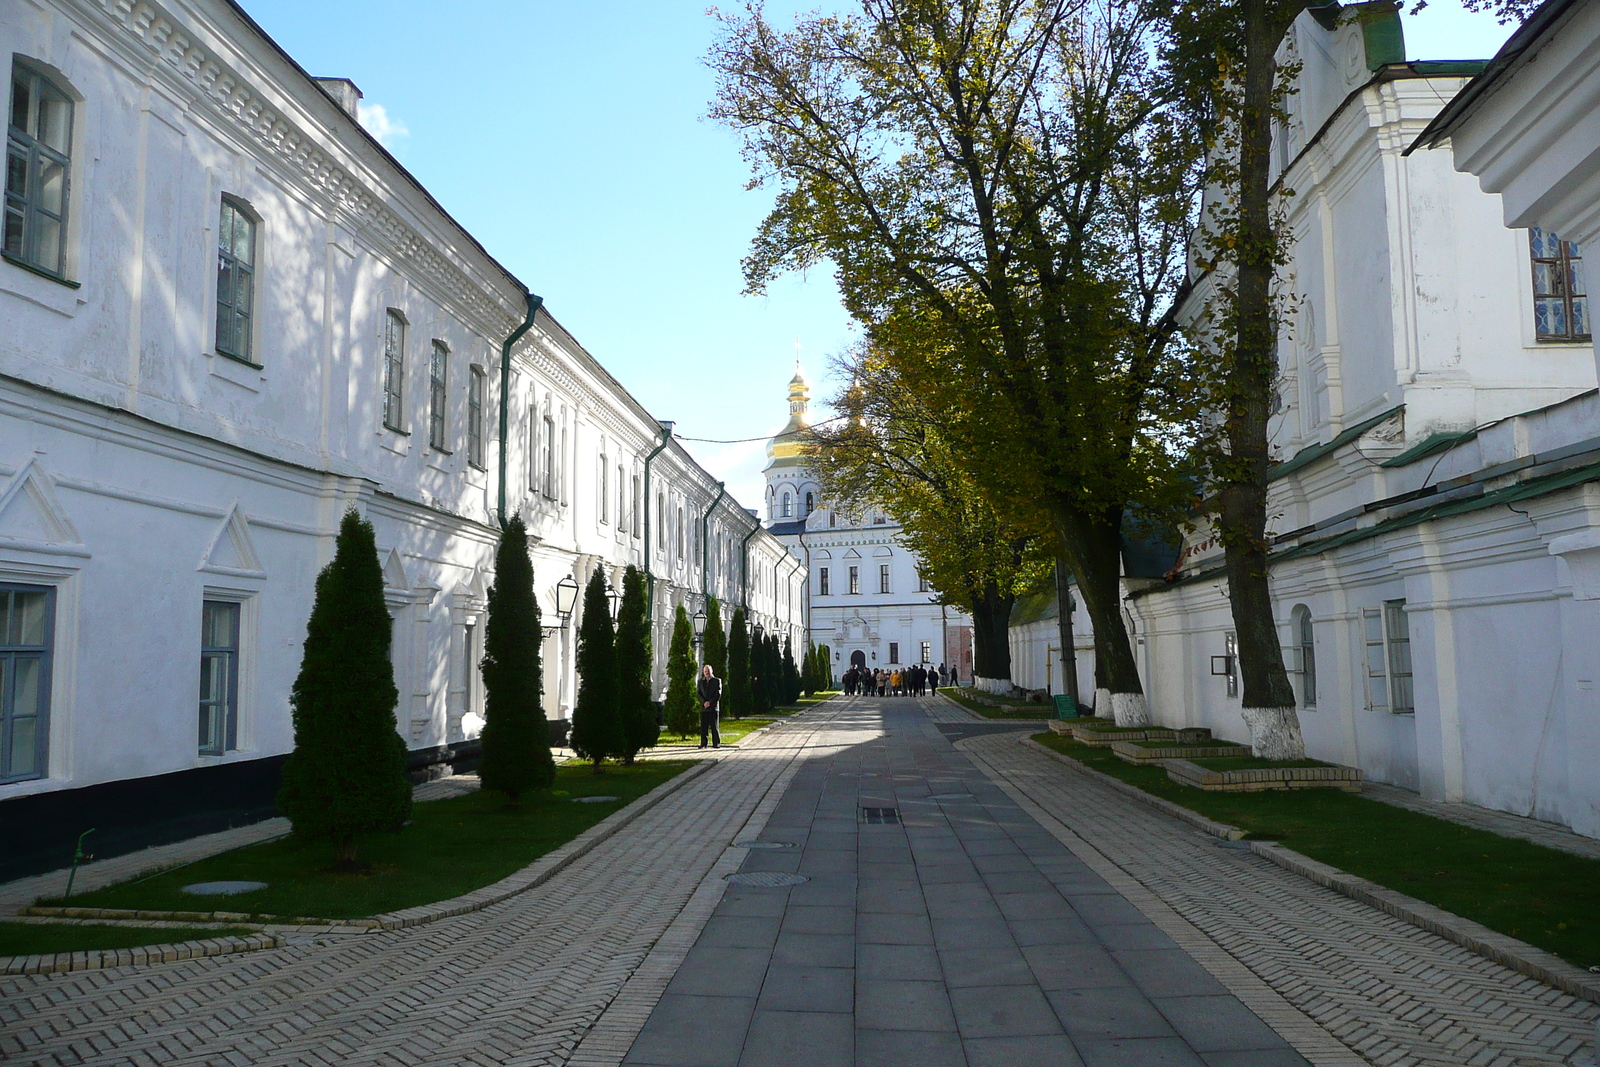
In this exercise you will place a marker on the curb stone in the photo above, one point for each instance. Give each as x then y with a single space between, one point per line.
535 874
1507 951
96 959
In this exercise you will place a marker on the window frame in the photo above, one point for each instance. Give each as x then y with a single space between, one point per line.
605 490
927 652
885 586
44 654
1565 268
894 653
477 382
395 324
548 483
1397 646
638 512
822 581
1305 642
230 655
439 395
855 579
26 144
241 208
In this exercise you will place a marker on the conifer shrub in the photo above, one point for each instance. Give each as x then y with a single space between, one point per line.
714 647
736 682
791 673
683 708
597 732
772 672
516 736
634 661
347 773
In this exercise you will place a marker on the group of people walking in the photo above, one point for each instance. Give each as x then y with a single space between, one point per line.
897 681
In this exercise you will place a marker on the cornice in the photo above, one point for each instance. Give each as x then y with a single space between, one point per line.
165 40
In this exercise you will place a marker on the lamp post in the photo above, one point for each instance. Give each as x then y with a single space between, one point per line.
757 631
699 626
614 598
566 598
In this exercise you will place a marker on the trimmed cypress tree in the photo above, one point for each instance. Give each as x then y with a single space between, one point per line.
808 671
633 667
772 673
736 683
714 649
347 773
791 674
596 721
759 697
683 708
516 737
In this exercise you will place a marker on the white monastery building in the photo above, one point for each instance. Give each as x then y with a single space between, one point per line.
866 596
1436 508
226 316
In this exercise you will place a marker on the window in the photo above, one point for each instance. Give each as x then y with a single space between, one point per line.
923 585
219 677
605 489
1560 297
894 651
637 512
883 577
879 519
549 458
475 417
832 520
678 541
394 369
38 142
1377 673
561 471
236 279
927 652
822 581
661 520
1305 643
811 504
469 674
533 446
438 375
27 624
1230 649
855 580
788 508
1388 640
622 501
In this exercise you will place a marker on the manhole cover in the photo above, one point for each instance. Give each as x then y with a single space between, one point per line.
222 889
771 879
593 800
949 796
763 844
880 815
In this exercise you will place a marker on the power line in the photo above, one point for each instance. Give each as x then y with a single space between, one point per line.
744 440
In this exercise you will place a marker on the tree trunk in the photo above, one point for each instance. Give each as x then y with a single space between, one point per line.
1093 545
991 635
1069 651
1268 698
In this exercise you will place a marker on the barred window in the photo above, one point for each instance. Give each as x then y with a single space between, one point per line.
38 168
1560 297
236 279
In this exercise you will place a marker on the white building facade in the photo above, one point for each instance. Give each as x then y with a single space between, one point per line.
226 316
1436 433
866 596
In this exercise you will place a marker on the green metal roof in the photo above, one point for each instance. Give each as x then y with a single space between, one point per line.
1438 442
1310 454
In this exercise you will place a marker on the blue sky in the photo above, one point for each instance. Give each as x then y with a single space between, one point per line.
570 140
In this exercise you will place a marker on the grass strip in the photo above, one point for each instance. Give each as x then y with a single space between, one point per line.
449 848
732 730
1014 709
1540 895
37 939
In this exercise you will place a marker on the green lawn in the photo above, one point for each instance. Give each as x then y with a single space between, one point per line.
731 729
451 847
1542 896
34 939
1014 709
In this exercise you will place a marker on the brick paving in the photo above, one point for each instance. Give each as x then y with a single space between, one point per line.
521 982
960 933
1398 995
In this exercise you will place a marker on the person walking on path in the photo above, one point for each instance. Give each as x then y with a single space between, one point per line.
709 689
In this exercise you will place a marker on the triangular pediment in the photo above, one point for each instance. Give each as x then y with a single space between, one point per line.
30 514
232 550
852 554
394 572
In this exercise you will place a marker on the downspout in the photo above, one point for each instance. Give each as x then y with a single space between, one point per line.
805 591
650 578
744 575
534 304
705 542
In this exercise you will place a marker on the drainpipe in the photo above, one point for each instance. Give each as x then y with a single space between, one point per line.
744 574
705 542
534 304
805 590
650 578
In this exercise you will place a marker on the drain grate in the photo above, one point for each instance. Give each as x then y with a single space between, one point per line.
769 879
880 815
763 844
949 796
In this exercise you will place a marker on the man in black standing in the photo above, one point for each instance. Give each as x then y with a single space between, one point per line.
709 689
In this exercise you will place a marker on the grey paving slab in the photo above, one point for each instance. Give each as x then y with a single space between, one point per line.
966 934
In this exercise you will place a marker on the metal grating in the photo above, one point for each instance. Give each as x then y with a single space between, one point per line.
763 844
880 815
768 879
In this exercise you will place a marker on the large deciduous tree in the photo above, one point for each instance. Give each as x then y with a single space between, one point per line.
634 663
597 728
969 167
347 773
516 736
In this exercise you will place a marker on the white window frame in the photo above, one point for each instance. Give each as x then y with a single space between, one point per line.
439 396
393 382
241 207
605 489
477 391
24 143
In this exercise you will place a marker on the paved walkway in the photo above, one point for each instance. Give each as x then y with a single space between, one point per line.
959 932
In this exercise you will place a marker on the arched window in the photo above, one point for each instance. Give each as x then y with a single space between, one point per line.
1306 655
788 508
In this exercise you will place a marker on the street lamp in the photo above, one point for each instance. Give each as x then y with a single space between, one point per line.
615 599
757 631
699 626
566 597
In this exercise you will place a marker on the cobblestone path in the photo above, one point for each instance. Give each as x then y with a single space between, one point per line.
1400 996
522 982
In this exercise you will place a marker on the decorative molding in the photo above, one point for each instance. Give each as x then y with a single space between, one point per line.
232 551
32 519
